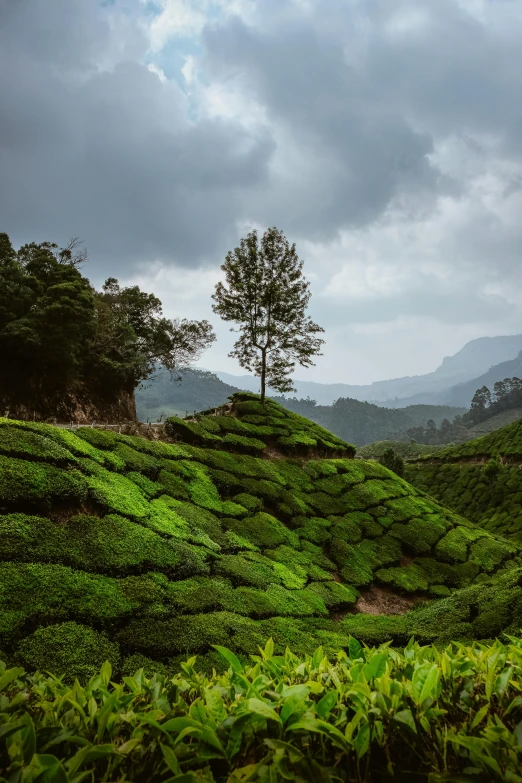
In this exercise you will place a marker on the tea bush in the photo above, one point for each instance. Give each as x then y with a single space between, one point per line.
363 714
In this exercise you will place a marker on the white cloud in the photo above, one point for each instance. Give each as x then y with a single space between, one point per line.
158 71
186 18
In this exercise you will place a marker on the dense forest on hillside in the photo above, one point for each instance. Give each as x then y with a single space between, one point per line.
485 406
69 351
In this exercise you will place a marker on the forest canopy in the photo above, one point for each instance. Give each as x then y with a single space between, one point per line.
62 341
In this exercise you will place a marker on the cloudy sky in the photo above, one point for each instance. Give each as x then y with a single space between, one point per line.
384 137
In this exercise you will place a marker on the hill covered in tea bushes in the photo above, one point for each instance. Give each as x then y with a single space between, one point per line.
250 524
480 479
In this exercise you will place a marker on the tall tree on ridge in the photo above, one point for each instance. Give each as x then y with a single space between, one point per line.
266 294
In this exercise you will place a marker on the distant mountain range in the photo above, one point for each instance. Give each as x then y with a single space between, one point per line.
441 394
357 422
453 383
462 393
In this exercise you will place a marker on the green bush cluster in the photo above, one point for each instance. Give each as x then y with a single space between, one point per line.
355 713
205 546
31 484
251 427
491 500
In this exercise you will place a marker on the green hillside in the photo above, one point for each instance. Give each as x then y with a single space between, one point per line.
495 422
116 547
162 395
403 449
480 479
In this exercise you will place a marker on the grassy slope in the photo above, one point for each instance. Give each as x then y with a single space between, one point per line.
495 423
461 479
114 547
405 450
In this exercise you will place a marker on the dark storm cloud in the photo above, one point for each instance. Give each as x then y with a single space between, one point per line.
364 155
357 96
108 154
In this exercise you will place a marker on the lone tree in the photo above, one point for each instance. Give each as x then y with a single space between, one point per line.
266 294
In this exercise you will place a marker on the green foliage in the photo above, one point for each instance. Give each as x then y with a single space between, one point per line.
69 648
62 342
38 485
276 717
266 294
391 460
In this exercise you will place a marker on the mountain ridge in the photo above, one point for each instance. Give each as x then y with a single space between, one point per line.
474 359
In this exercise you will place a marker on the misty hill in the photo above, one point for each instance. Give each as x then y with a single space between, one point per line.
473 360
355 421
163 395
143 552
462 393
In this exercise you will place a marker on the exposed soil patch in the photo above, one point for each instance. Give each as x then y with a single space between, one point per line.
382 600
271 453
62 514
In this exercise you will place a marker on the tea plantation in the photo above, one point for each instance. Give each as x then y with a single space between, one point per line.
143 552
480 479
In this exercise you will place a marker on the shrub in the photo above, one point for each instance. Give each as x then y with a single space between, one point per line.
190 432
264 530
315 529
410 578
108 544
250 502
334 594
137 460
68 648
23 443
454 546
247 569
38 485
116 493
391 460
243 443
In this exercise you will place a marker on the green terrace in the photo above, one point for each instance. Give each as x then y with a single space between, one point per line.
121 548
480 479
253 428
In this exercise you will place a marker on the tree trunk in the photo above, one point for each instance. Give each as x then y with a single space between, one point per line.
263 376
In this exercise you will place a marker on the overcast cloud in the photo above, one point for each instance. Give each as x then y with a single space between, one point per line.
384 138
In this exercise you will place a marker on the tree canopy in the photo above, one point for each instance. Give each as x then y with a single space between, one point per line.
60 339
266 294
